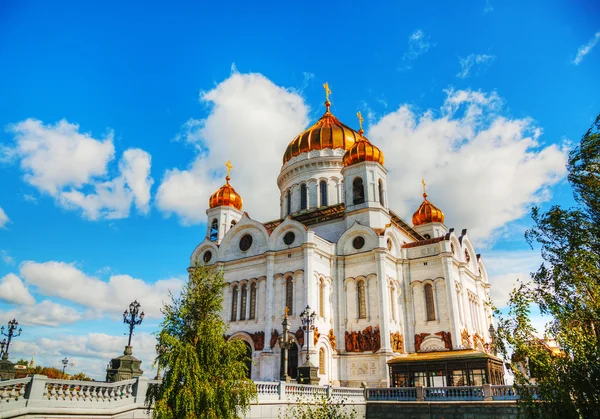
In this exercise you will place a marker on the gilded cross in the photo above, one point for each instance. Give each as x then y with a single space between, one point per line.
424 185
229 167
360 119
327 91
287 311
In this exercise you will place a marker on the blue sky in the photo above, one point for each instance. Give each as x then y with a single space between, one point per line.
482 99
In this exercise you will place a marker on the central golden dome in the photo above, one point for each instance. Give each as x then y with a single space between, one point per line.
327 132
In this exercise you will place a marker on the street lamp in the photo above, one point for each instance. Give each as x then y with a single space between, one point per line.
65 362
132 318
12 326
493 348
286 340
308 323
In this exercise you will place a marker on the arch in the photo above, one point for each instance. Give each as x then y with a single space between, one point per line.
323 193
381 193
429 302
234 298
303 197
252 315
361 295
214 230
358 191
245 225
289 293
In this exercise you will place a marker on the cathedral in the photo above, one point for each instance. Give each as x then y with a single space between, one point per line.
396 304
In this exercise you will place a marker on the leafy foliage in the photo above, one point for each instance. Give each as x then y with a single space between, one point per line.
204 375
567 289
319 408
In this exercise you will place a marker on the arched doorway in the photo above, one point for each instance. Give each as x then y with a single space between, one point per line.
248 359
292 361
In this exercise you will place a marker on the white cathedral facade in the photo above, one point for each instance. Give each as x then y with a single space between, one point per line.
381 289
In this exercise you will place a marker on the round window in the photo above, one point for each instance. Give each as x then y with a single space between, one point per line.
245 242
358 242
427 236
389 244
207 256
289 238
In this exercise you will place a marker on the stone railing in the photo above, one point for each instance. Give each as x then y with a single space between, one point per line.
12 393
485 392
392 394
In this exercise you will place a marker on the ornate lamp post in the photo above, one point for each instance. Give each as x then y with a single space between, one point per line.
308 373
131 318
127 366
12 326
286 340
492 331
65 362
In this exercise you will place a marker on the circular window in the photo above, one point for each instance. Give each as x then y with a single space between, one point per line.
427 236
389 244
289 238
245 242
207 256
358 242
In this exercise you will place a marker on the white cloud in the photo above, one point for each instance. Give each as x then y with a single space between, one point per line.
3 218
55 156
483 169
474 61
251 121
7 258
488 7
586 48
59 160
46 313
63 280
13 290
418 44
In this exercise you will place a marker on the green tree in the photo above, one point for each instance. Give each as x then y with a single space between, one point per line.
204 375
319 408
567 289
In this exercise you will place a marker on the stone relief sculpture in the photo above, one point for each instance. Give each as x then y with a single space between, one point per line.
274 336
397 341
332 340
299 337
367 340
446 338
419 338
259 340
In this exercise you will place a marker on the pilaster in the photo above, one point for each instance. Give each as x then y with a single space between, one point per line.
452 302
384 302
269 302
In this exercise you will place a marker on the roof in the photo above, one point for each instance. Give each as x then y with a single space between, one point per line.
458 355
401 224
425 242
318 215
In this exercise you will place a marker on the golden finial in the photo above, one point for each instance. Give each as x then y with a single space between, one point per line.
287 310
360 122
229 167
327 93
424 188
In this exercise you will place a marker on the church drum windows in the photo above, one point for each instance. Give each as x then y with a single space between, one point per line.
244 301
429 304
214 230
323 193
289 202
252 301
289 294
381 198
362 300
303 197
234 298
358 191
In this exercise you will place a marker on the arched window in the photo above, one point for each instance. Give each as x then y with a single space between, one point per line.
303 196
358 191
321 361
381 198
362 300
321 299
392 305
234 297
214 230
323 192
429 302
244 299
252 301
289 202
289 294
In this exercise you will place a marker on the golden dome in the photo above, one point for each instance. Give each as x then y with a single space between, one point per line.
427 213
327 132
361 151
226 195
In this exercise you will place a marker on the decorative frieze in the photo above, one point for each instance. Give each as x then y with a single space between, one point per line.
446 338
367 340
332 340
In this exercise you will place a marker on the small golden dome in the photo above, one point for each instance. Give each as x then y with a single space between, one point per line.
327 132
427 213
226 196
361 151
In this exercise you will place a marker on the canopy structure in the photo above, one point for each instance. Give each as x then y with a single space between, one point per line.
446 368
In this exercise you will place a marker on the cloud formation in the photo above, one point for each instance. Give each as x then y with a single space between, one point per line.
483 169
418 44
59 160
3 218
64 280
12 290
251 121
478 62
46 313
586 48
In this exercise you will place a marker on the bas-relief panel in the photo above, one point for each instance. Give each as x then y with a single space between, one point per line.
363 369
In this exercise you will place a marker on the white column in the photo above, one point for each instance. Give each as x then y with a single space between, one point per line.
384 303
309 254
452 301
269 303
